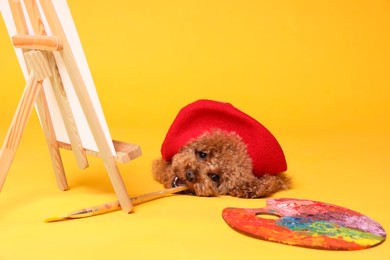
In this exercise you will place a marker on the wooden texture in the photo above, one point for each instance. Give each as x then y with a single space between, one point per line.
54 151
37 63
36 42
41 102
125 152
114 205
157 194
18 125
58 89
39 71
67 115
18 16
88 108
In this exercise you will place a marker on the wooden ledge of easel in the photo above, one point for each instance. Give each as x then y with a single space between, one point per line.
125 152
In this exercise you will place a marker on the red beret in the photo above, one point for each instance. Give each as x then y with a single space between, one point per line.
206 115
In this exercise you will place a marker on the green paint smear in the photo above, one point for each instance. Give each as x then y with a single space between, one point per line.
329 229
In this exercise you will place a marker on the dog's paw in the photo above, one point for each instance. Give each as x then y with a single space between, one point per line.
261 187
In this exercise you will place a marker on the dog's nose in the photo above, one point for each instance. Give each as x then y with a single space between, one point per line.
190 176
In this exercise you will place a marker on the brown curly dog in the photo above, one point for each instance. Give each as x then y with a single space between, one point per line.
217 163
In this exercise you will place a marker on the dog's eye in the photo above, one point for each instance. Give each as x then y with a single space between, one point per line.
202 155
214 177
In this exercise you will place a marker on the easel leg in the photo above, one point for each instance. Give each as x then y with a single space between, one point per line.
67 114
47 126
87 106
63 103
39 71
18 125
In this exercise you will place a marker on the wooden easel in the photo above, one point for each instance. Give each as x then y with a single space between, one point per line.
38 50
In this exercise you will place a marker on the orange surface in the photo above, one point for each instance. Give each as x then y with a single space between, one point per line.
316 74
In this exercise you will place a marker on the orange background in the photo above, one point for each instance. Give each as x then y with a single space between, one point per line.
315 73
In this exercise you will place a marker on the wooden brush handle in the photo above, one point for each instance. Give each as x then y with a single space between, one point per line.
155 195
114 205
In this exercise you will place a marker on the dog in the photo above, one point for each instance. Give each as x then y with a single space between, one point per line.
217 163
215 149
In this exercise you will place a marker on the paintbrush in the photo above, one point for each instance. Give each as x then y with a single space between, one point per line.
114 205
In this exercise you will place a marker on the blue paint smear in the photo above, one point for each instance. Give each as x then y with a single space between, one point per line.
320 227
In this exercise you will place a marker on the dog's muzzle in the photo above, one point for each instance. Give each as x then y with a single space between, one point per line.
190 176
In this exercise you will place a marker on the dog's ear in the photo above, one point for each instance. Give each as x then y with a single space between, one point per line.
161 170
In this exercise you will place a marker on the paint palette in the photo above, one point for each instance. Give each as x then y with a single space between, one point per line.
307 223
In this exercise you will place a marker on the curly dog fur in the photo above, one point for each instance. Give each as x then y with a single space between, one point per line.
214 164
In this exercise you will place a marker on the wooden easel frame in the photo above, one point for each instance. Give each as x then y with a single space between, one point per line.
43 47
